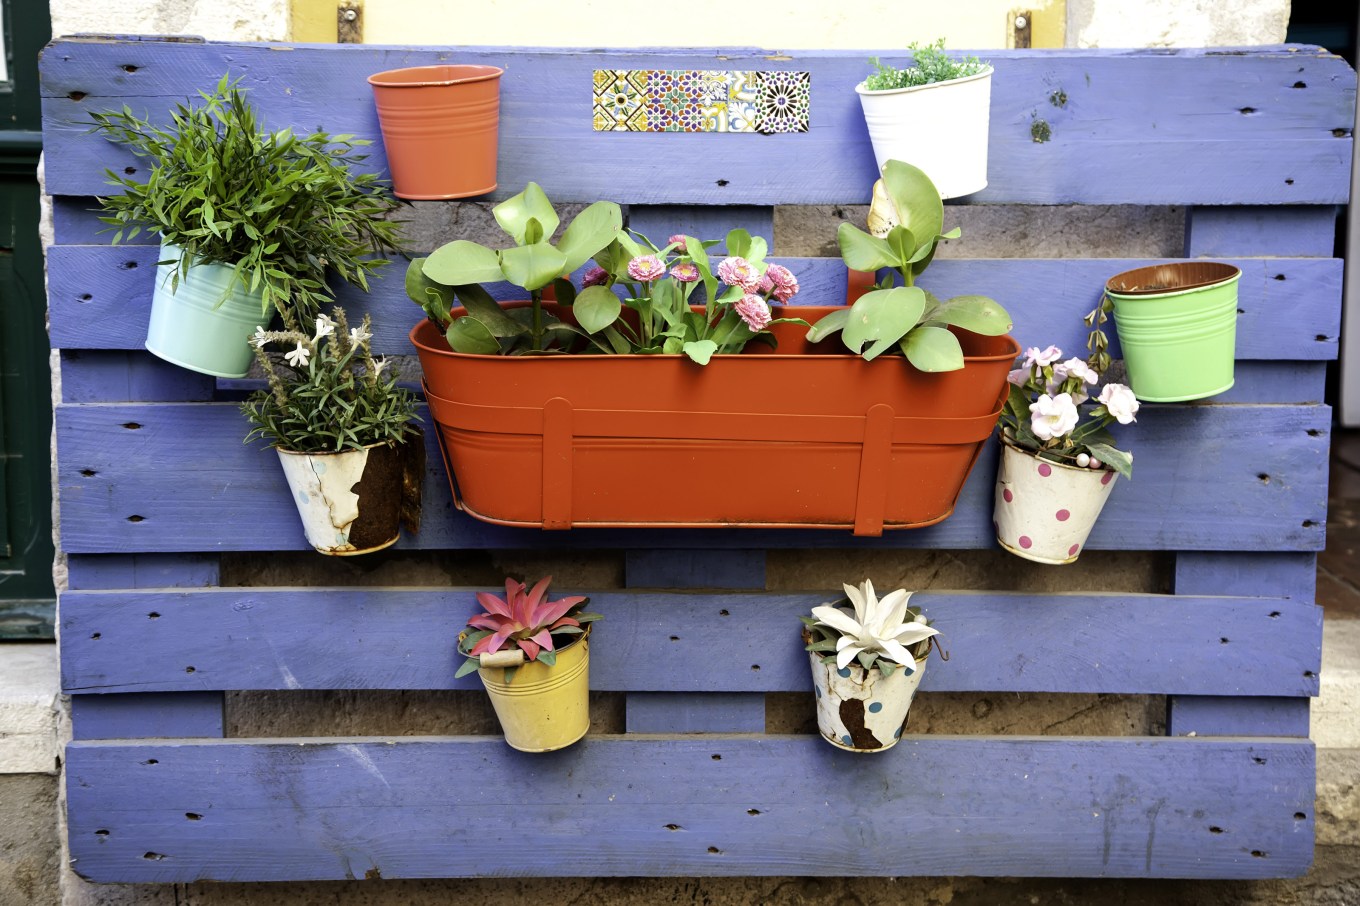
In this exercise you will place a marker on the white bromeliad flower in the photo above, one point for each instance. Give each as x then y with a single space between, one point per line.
298 357
878 629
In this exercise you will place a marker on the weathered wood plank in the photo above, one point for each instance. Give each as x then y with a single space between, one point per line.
1289 575
182 470
391 808
1131 126
90 572
1290 306
401 638
706 712
98 376
1285 232
659 222
143 715
695 569
1193 715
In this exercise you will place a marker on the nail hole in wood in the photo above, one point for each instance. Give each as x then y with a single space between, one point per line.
755 666
1279 276
1308 673
715 850
153 857
130 265
1263 477
153 615
1300 85
673 827
129 69
675 638
1241 311
1274 614
1300 816
1289 182
724 613
1314 432
88 473
101 833
85 297
753 811
76 95
135 518
717 758
1308 523
1246 111
151 761
97 636
193 816
1257 854
129 170
1258 759
1222 641
1215 830
190 670
1321 338
131 426
1341 133
722 182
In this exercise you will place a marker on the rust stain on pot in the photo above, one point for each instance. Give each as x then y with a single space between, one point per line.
852 715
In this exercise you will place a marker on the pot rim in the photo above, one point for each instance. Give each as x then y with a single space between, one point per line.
884 92
483 73
1222 274
381 443
1006 441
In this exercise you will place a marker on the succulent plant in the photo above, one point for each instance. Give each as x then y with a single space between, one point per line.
523 619
886 632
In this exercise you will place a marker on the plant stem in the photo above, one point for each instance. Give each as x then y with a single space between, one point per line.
536 303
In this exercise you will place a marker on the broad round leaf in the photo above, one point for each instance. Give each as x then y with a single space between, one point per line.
701 350
596 308
461 262
918 203
469 335
828 325
933 349
532 266
589 233
514 214
884 314
976 313
862 252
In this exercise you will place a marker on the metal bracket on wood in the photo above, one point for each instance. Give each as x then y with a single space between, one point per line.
349 23
1022 28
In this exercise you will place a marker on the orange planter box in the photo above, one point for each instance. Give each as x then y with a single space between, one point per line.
797 438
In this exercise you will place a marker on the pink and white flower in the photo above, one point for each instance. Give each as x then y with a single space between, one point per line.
753 311
594 276
785 283
1035 356
1120 402
646 268
1077 368
737 271
686 272
678 240
1018 377
1052 416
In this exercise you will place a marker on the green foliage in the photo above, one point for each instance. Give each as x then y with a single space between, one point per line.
283 210
454 273
327 393
930 64
906 318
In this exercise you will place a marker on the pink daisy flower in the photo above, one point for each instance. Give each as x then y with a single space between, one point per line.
678 240
753 311
646 268
737 271
688 272
785 283
594 276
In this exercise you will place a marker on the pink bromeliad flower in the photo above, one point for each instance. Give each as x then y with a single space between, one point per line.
646 268
686 272
785 283
753 311
737 271
594 276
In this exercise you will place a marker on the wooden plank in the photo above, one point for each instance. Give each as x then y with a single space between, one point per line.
709 712
1132 129
392 808
89 572
144 715
1193 715
1276 382
695 569
659 222
1283 232
402 638
98 376
1290 306
195 487
1289 575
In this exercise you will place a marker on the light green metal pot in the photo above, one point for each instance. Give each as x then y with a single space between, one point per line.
203 324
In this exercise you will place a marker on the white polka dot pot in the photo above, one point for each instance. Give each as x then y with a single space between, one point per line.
1045 510
860 710
350 502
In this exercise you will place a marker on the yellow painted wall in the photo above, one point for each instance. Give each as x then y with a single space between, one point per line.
787 25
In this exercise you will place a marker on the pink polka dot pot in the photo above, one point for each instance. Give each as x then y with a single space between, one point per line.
1045 510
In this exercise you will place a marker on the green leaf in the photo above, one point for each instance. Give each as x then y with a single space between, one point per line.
533 231
435 298
590 232
596 308
828 325
738 242
1120 461
532 266
701 350
468 666
862 252
918 203
902 242
514 214
976 313
883 314
481 306
461 262
469 335
564 290
933 349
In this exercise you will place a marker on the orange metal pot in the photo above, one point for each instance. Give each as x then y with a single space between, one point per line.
439 127
792 439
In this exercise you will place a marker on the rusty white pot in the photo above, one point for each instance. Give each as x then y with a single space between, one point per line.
350 502
860 710
1045 510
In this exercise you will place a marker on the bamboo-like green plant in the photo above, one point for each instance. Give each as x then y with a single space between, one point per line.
907 317
283 210
930 64
327 393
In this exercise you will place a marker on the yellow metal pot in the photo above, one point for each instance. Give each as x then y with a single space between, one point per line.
543 708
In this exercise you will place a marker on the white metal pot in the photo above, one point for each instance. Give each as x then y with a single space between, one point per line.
1045 510
940 128
861 710
350 502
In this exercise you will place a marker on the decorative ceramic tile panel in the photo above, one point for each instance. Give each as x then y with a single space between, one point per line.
700 100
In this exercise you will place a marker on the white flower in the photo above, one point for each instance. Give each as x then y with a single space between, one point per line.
324 327
358 335
1018 377
298 357
260 337
1036 356
1120 402
1079 369
1052 416
881 628
378 366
